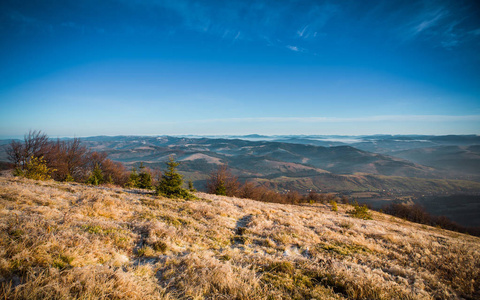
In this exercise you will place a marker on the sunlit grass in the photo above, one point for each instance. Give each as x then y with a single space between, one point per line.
68 241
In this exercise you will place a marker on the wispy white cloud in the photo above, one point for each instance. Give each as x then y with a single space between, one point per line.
302 31
293 48
444 24
258 21
296 49
430 19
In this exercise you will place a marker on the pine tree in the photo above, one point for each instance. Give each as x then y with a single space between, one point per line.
221 189
133 179
144 178
171 183
96 177
191 188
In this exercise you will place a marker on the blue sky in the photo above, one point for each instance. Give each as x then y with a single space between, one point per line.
239 67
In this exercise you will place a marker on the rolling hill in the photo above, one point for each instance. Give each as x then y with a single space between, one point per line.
285 165
462 161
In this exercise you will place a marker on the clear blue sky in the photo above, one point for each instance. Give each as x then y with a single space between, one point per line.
238 67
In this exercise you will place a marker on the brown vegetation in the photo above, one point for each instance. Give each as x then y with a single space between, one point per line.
71 241
67 160
223 182
416 213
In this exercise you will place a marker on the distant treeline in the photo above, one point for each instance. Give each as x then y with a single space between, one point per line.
416 213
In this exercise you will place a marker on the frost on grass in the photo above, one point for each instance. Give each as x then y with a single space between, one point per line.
70 241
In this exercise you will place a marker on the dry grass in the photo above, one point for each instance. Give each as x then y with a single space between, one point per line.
70 241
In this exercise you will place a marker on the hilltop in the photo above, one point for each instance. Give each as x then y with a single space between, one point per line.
68 240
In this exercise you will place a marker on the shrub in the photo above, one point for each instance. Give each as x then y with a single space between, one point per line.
222 182
416 213
334 205
35 168
115 172
69 178
35 144
69 158
360 212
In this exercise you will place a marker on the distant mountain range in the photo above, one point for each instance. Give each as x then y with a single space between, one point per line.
322 163
436 171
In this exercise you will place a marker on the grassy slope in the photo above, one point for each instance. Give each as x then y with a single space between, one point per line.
68 241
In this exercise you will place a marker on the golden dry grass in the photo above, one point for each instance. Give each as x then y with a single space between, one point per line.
70 241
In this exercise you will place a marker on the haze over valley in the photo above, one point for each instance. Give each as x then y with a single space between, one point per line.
406 169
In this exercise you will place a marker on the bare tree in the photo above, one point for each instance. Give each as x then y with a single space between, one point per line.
15 153
35 144
69 159
222 181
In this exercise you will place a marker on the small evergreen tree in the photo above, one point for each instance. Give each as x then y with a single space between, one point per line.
144 178
133 179
360 212
35 168
171 183
191 188
220 188
96 177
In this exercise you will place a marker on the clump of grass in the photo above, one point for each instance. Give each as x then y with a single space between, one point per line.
285 267
241 239
268 243
63 261
160 246
146 251
346 225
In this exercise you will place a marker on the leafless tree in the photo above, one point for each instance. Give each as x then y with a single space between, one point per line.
15 153
68 158
35 143
223 177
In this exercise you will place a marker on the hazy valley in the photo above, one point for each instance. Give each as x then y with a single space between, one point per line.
429 170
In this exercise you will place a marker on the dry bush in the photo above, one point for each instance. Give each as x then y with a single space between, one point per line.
222 182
